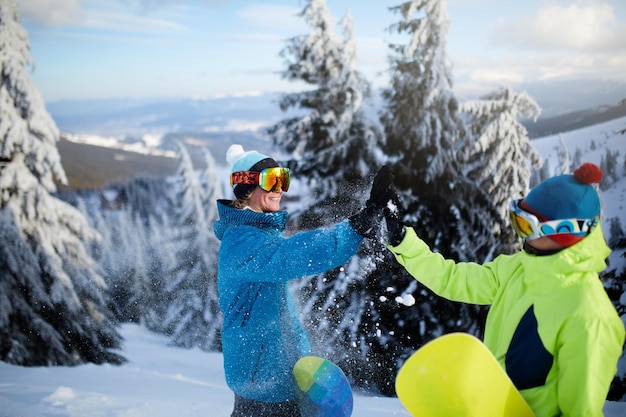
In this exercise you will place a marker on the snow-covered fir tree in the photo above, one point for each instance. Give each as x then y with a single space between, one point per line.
450 212
423 129
135 253
117 255
157 260
193 317
609 163
564 158
54 308
497 152
336 153
543 174
333 144
141 250
133 256
577 159
211 188
419 118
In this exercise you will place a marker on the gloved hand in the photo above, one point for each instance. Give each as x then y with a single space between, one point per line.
367 221
395 227
383 191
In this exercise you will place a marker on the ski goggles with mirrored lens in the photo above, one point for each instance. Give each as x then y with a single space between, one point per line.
270 179
528 226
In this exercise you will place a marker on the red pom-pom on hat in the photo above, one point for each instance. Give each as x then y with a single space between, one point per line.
588 173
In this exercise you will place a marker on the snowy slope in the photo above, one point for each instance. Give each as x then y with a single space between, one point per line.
158 381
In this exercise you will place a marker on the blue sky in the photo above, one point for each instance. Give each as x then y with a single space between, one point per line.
89 49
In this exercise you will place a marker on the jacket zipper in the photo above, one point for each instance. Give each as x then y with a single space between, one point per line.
256 367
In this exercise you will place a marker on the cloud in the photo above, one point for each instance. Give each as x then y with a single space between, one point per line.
51 12
475 76
117 16
128 23
153 4
269 16
579 27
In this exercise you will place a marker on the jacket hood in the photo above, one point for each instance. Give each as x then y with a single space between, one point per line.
233 217
570 264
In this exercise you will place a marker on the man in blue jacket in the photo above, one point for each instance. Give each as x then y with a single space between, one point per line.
262 337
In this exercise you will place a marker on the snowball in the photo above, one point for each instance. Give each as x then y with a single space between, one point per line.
408 300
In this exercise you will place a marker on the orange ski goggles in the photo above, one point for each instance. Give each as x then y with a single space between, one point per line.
270 179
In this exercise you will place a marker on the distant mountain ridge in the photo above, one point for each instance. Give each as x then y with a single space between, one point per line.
134 118
93 166
215 124
574 120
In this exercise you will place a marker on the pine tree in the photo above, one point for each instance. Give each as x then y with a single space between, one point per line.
419 116
336 152
609 165
122 255
193 317
332 142
157 260
54 309
545 172
423 129
564 159
135 252
451 213
497 154
577 159
211 189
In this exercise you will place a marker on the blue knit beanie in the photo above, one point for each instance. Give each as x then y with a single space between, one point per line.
567 197
241 160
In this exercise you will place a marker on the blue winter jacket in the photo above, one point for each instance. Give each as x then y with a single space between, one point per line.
262 337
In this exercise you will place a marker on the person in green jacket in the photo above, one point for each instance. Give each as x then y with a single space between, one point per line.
551 324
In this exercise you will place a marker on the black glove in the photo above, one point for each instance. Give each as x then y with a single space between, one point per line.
385 194
367 221
383 189
395 228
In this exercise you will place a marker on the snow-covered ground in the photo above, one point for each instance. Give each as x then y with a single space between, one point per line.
157 381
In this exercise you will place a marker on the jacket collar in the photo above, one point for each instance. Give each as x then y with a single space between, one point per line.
232 217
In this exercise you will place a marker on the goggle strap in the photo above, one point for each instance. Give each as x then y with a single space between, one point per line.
244 177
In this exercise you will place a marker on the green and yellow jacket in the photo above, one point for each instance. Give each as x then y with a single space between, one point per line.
551 324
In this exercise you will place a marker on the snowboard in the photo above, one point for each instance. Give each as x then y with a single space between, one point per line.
456 375
323 387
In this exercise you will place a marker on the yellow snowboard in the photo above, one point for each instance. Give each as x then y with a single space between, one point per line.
456 375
